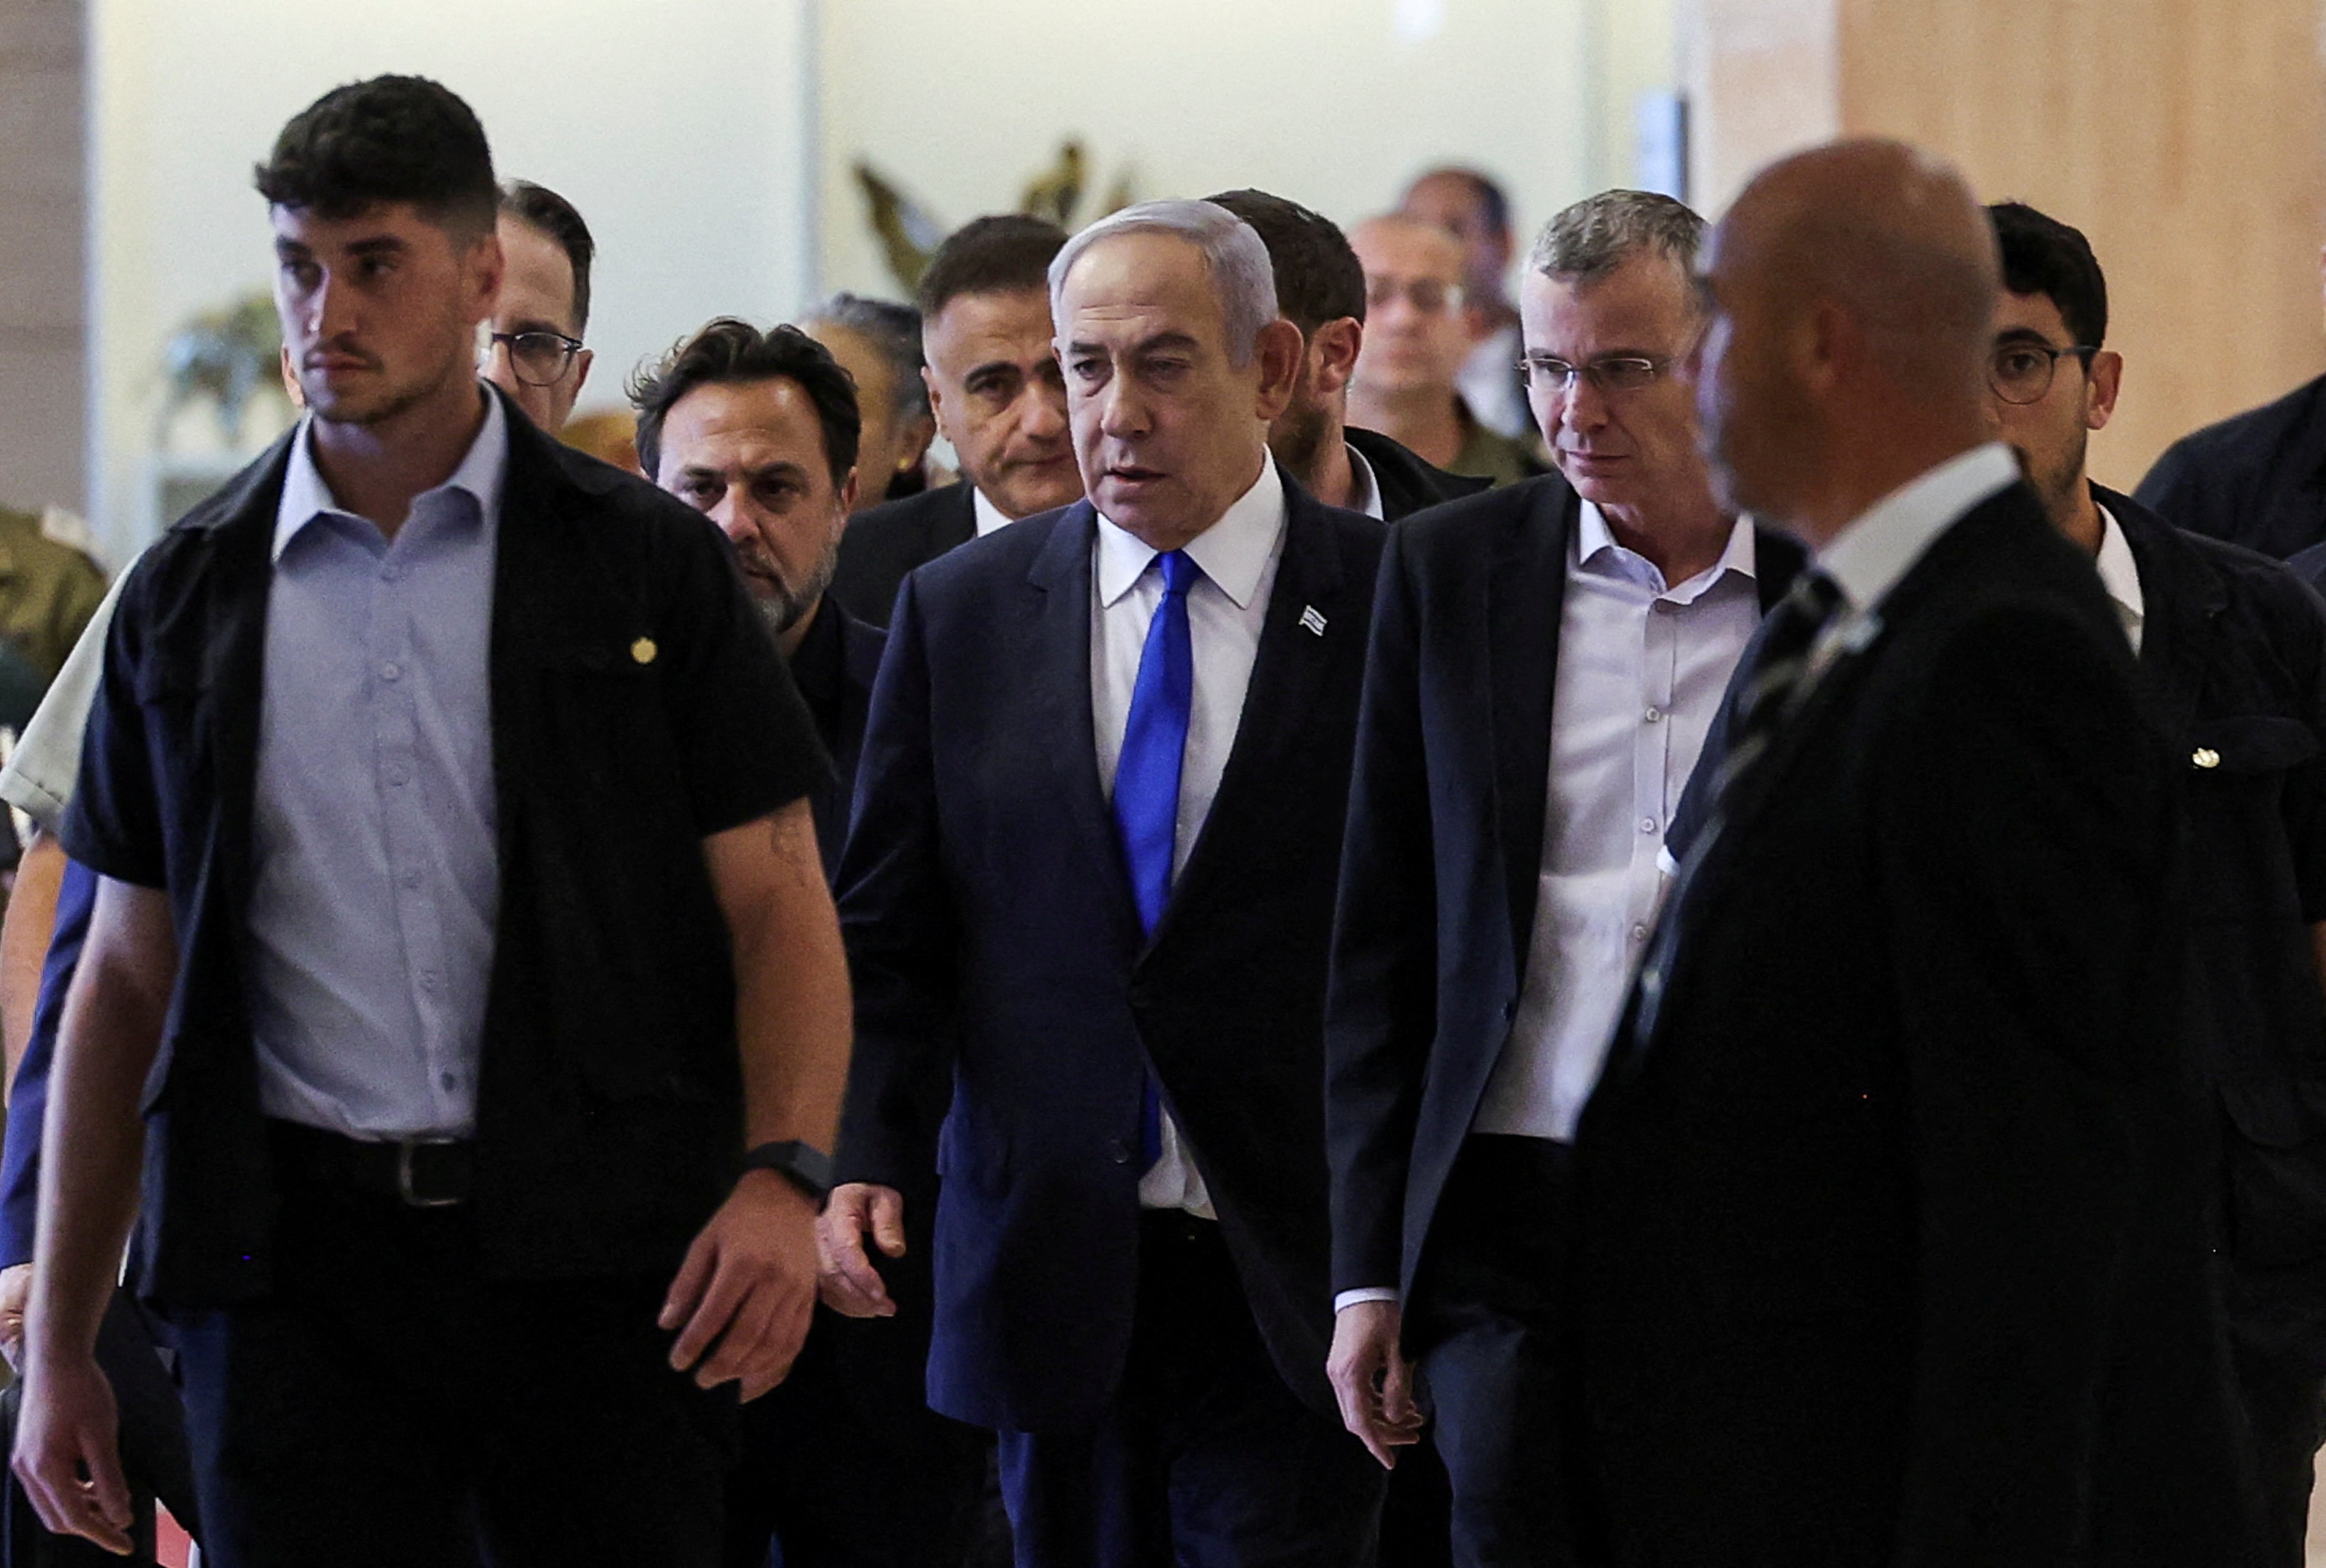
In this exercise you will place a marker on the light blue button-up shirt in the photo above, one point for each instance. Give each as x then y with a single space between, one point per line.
376 877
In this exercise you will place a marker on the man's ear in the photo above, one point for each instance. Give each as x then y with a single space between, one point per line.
915 446
581 362
1333 353
485 266
2101 386
1278 350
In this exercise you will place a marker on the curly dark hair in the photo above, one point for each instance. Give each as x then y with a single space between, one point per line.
394 138
1318 278
726 351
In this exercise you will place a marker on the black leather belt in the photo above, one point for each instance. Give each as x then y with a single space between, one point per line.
424 1173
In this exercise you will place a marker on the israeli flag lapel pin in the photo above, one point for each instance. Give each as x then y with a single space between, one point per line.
1310 620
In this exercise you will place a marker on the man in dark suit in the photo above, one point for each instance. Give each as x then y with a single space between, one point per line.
993 384
490 1001
845 1464
2257 479
2233 659
1546 661
1320 288
1890 1249
1091 875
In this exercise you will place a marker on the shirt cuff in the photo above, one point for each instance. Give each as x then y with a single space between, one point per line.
1349 1298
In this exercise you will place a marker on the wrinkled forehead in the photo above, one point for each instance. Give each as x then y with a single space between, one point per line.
1130 287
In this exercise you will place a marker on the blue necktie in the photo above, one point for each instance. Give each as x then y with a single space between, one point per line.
1146 778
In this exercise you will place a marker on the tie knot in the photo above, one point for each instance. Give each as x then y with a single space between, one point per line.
1179 572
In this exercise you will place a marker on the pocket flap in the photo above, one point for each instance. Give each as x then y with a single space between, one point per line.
2253 743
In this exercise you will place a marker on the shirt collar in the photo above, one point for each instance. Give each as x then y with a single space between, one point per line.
1866 559
1232 552
2120 575
990 517
1597 550
1364 493
305 495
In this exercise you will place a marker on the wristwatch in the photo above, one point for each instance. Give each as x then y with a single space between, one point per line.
804 1165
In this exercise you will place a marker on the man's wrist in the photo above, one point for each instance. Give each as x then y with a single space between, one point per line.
803 1165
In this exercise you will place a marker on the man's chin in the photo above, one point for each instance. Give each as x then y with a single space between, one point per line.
1024 494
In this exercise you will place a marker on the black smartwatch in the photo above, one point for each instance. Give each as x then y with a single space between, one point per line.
804 1165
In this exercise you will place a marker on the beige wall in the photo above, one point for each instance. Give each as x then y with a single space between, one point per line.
41 318
2186 137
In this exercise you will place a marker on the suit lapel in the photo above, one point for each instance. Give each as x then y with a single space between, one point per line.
1291 661
2181 594
1053 648
1526 594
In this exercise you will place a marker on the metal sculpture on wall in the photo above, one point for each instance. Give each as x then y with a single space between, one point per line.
909 233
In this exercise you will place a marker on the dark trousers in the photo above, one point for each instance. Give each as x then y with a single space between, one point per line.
1486 1322
387 1405
1205 1459
2277 1332
154 1456
845 1466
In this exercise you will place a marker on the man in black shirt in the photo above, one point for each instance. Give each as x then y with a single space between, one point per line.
845 1463
460 937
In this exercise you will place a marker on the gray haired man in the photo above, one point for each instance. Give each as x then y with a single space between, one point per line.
879 343
1547 659
1090 882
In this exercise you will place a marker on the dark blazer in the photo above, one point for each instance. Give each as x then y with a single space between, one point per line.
1444 850
834 667
883 543
1408 485
990 926
1891 1246
638 706
2257 479
2233 650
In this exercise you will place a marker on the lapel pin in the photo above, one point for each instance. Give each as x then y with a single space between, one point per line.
1312 620
643 651
2205 756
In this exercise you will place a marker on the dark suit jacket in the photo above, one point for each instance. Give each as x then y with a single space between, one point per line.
881 544
991 926
2233 649
609 1093
1408 485
2257 479
1891 1240
1444 850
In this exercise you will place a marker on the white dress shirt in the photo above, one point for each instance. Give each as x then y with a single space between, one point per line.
1365 493
1642 668
1866 559
2120 575
990 517
1226 607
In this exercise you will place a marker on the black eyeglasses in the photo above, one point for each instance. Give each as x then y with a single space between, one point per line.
539 359
1616 373
2021 372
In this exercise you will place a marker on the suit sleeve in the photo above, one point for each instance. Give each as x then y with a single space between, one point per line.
2027 846
898 920
1381 1011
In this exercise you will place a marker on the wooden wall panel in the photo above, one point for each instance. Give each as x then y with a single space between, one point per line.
2186 137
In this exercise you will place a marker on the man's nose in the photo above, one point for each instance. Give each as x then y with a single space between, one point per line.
735 516
1122 409
1042 411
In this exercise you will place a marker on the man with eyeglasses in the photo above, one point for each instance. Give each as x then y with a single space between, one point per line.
536 355
2233 653
1546 661
1416 339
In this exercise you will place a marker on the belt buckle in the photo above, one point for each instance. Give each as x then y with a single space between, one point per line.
404 1188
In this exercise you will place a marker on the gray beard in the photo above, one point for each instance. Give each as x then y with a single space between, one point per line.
787 607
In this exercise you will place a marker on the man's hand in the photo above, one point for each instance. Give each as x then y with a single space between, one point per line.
67 1430
16 1293
850 1285
1371 1380
749 1285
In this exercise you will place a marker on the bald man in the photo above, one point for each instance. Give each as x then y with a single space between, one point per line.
1891 1251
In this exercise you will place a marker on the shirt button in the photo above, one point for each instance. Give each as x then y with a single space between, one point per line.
1117 1151
1639 932
449 1081
390 670
1647 824
397 774
412 878
391 574
427 980
1655 715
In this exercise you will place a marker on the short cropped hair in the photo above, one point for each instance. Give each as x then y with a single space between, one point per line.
1494 201
1318 278
727 352
394 138
1598 233
894 331
1006 254
1232 253
539 206
2042 256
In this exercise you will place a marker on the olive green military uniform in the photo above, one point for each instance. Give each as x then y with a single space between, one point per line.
47 591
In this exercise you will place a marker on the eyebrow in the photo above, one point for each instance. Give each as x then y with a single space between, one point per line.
1173 340
539 324
782 467
992 368
2024 335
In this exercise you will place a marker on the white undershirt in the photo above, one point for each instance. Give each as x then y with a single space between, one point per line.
1226 607
2120 575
